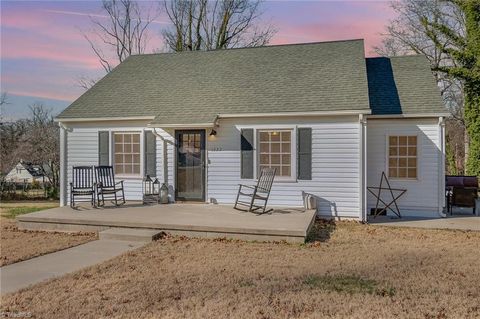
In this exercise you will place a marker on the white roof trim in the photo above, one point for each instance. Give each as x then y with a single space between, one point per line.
284 114
193 125
101 119
399 116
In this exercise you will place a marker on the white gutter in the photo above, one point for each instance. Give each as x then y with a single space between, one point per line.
441 167
193 125
402 116
102 119
288 114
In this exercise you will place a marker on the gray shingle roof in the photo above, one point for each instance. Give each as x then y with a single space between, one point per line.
193 87
403 85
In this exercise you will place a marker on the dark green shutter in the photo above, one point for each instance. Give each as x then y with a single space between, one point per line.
150 154
246 145
103 153
304 153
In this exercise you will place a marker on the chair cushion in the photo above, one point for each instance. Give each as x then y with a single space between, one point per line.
470 181
456 181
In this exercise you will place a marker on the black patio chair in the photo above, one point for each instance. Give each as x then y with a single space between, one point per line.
82 184
461 191
107 188
260 192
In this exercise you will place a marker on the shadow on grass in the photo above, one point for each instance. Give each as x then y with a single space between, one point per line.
321 231
348 284
12 212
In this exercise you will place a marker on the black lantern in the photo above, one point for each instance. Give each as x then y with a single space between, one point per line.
156 187
147 186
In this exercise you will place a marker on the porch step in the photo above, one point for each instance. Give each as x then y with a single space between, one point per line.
130 234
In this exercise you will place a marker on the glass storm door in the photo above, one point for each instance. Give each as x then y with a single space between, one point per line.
190 172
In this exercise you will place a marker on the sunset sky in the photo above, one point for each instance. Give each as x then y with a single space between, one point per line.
43 52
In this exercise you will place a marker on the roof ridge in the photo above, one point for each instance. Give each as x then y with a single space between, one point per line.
249 48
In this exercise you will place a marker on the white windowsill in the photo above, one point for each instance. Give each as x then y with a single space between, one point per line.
129 176
255 180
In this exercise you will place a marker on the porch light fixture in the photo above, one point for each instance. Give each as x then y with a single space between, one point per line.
213 132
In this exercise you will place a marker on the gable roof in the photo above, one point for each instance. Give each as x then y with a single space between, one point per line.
403 85
194 87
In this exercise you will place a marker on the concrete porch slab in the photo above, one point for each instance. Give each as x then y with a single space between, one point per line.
130 234
459 222
192 220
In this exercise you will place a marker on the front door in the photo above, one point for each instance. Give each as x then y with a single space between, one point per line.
190 167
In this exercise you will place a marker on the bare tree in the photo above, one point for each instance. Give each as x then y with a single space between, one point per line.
123 32
219 24
406 34
3 98
39 143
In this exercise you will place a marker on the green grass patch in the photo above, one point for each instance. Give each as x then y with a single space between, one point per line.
12 212
348 284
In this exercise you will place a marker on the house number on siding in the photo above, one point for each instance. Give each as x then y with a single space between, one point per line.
216 149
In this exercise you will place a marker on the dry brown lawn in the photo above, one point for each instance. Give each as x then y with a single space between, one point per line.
17 245
349 270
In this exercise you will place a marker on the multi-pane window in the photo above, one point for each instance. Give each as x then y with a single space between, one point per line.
402 157
127 153
276 151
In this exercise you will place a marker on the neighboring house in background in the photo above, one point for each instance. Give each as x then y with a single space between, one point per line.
329 119
25 172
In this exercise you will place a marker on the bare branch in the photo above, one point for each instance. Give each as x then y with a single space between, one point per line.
220 24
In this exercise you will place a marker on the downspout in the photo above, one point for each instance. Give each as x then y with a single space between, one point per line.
165 156
63 164
441 168
363 167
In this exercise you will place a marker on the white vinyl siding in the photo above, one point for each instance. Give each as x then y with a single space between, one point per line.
422 196
82 150
335 165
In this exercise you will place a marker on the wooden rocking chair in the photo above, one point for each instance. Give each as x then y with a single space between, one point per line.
106 186
82 184
259 192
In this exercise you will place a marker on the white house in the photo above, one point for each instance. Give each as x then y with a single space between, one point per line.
25 172
329 119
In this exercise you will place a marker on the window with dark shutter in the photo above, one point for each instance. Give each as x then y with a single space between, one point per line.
246 145
150 154
103 148
304 153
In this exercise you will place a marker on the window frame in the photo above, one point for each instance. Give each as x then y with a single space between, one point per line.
141 134
387 156
256 149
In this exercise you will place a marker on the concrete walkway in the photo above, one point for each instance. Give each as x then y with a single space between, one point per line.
471 222
24 273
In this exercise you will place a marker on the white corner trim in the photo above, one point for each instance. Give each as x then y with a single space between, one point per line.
363 168
441 166
63 165
103 119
